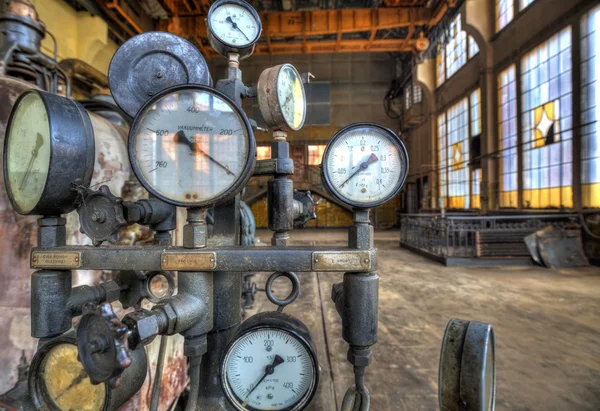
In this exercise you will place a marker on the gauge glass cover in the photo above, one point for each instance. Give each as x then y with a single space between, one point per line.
234 25
190 146
66 384
289 385
365 165
28 153
292 100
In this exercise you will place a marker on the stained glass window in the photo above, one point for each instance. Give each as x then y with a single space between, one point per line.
442 146
476 112
590 106
476 188
458 155
505 11
507 116
315 154
456 48
263 152
547 123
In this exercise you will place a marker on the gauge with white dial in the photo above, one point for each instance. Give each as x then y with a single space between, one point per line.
282 98
191 146
49 147
233 27
270 365
364 165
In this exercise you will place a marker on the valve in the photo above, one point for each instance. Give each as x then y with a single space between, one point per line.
102 344
305 208
101 215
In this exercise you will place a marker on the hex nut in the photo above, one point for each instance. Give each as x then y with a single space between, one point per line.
143 326
112 290
359 357
51 221
194 235
171 315
195 347
280 149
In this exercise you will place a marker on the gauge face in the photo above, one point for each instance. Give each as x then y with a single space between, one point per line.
234 24
365 165
191 146
292 100
269 369
28 153
65 384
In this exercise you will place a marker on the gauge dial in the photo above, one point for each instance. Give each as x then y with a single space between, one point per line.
191 146
365 165
49 147
233 26
28 152
269 369
281 97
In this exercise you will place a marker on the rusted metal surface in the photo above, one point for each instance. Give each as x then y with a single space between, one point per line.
561 248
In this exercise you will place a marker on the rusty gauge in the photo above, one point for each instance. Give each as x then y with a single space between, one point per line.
364 165
281 97
191 146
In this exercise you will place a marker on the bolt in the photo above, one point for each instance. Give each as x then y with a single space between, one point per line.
151 93
159 74
270 396
366 260
316 260
269 348
96 346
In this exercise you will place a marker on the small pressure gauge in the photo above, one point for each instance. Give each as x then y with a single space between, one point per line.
281 97
233 27
364 165
191 146
49 147
270 364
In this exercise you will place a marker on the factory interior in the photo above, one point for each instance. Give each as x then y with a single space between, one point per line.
177 172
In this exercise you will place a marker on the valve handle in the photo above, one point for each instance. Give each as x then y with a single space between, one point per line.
102 344
101 215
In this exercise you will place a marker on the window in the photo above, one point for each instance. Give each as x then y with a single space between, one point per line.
442 146
547 123
590 106
455 49
315 153
459 182
525 3
505 12
507 116
263 152
408 96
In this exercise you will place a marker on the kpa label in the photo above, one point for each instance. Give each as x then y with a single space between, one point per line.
190 261
67 259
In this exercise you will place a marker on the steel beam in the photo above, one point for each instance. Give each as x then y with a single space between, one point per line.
215 259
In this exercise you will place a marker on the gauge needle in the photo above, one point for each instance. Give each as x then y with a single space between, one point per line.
363 166
34 153
269 369
287 100
180 137
236 27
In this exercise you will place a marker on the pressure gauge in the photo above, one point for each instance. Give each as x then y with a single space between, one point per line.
233 27
364 165
270 364
191 146
49 147
281 97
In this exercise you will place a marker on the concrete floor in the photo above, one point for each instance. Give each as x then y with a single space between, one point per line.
547 325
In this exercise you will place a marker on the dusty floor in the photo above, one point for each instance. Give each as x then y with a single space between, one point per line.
547 326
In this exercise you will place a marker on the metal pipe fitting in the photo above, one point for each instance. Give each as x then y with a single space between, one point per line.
50 313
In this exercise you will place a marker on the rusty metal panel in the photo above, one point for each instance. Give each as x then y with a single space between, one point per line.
561 248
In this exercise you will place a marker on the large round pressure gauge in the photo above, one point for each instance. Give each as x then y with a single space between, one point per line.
191 146
233 27
364 165
270 364
281 97
49 147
